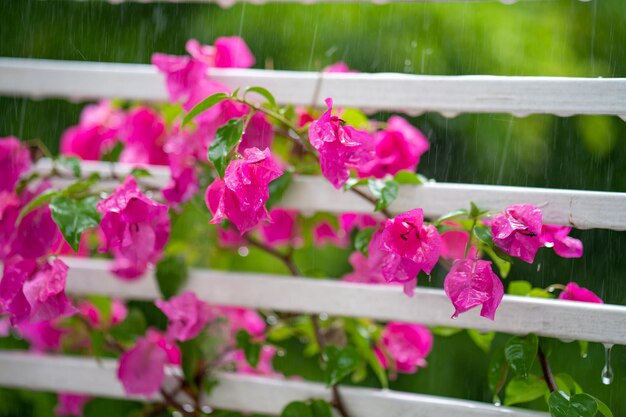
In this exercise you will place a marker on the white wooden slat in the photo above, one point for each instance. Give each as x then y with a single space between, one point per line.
580 209
236 392
516 315
449 95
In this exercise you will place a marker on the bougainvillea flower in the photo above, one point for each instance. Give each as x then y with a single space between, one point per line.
187 315
340 147
142 368
232 52
264 367
14 162
471 283
143 135
338 67
351 221
324 233
181 73
517 231
407 344
16 272
557 237
453 244
573 292
118 313
35 235
70 405
241 197
45 292
259 133
44 336
240 318
135 229
96 132
397 147
410 247
364 271
282 229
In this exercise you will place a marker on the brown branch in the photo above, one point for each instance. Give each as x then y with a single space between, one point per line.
547 372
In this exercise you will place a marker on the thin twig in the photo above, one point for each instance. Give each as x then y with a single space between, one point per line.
547 372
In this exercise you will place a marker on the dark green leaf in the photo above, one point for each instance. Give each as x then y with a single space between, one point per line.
278 187
579 405
171 275
226 138
97 343
72 163
384 191
263 92
113 154
190 357
602 407
520 353
320 408
408 177
101 407
497 372
251 350
363 239
340 363
474 210
520 390
296 409
36 202
205 104
133 326
74 217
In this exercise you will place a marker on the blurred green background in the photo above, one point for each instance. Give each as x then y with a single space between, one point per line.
554 38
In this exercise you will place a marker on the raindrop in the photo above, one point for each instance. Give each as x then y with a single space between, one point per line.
323 316
271 320
549 244
206 409
539 267
497 403
188 408
413 44
243 251
280 353
177 414
607 371
455 316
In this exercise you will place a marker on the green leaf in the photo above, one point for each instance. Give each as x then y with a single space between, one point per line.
74 217
567 384
171 275
520 288
445 331
602 407
190 357
72 163
340 363
102 407
379 371
474 210
484 235
278 187
251 350
280 332
363 239
497 372
97 343
451 215
407 177
297 409
504 266
262 92
103 305
140 173
113 154
226 138
205 104
36 202
520 390
355 118
320 408
520 353
384 191
579 405
81 186
133 326
482 340
354 182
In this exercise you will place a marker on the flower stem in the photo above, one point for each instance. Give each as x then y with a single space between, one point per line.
547 372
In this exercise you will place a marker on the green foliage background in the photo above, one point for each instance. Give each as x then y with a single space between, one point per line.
551 38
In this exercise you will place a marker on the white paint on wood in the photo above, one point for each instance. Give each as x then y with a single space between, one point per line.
580 209
516 315
450 95
236 392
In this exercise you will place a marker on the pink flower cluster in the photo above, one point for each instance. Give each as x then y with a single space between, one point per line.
142 368
406 344
135 229
32 288
241 196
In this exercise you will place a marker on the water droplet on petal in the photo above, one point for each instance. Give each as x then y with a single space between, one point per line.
243 251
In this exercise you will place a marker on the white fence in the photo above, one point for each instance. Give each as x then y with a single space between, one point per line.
448 95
